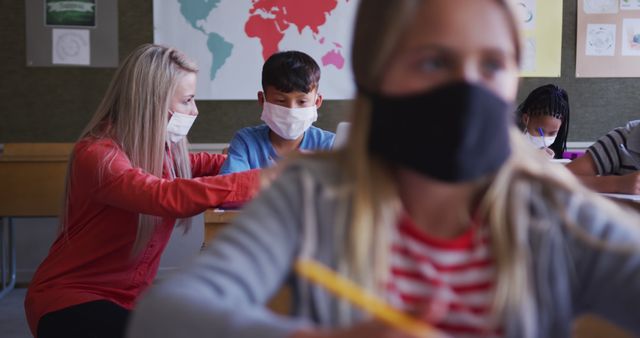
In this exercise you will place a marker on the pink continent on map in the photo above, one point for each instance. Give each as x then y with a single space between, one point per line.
269 19
333 57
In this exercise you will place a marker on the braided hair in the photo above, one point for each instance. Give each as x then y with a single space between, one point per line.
548 100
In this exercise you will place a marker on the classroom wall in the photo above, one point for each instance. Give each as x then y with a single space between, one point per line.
597 105
52 104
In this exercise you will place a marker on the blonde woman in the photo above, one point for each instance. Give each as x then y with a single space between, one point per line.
130 177
436 204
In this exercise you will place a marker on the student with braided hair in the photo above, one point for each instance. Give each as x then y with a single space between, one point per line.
544 118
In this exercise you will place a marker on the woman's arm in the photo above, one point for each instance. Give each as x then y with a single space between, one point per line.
206 164
120 185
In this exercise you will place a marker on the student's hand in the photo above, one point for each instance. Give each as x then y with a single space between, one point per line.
434 311
548 152
629 184
370 329
367 329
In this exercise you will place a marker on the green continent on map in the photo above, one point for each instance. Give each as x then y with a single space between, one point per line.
195 10
220 51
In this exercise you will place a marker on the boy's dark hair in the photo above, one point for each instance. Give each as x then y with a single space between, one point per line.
549 100
290 71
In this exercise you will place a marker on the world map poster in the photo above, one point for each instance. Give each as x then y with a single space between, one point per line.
231 39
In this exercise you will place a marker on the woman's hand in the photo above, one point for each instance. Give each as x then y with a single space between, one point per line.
268 175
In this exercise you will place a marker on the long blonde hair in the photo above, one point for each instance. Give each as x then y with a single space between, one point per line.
134 114
375 203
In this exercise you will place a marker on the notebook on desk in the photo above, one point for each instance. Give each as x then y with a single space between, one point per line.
629 197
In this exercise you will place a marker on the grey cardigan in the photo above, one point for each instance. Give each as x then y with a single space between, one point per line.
222 294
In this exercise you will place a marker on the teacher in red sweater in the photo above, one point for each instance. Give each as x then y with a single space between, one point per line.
130 180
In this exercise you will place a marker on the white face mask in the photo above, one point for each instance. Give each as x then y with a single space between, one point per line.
540 141
179 125
289 123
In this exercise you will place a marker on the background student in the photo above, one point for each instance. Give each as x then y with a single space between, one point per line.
289 101
612 164
544 118
130 178
507 244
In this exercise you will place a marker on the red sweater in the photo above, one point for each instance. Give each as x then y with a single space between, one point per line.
92 260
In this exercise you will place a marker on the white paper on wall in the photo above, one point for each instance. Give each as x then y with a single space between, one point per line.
600 6
71 47
601 40
631 37
629 5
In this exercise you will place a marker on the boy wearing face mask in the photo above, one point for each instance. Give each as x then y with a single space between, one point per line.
289 101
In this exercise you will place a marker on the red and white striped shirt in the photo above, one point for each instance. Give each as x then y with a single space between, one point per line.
457 273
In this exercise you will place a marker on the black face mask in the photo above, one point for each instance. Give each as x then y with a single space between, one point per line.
455 133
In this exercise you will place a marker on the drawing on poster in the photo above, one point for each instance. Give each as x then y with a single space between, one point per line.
600 6
631 37
630 5
542 45
529 55
601 40
528 14
71 47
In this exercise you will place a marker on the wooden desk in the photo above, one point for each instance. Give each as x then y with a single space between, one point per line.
215 220
590 326
31 185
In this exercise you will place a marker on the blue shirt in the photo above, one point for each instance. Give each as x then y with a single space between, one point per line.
251 148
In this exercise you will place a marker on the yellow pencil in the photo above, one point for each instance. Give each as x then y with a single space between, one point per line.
344 288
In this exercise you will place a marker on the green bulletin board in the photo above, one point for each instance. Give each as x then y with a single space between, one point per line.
79 13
